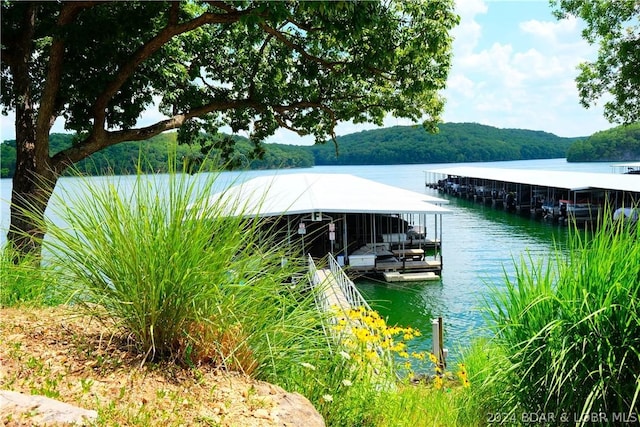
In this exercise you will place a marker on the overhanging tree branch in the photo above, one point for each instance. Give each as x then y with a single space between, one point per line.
144 52
96 142
279 35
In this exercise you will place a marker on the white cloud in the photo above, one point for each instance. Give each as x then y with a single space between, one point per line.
470 8
461 84
551 31
525 77
468 32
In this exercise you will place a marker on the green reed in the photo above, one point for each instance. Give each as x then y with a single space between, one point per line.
23 283
567 330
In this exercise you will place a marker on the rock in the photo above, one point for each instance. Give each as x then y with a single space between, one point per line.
293 409
285 409
41 410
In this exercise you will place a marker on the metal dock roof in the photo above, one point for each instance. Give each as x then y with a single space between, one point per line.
274 195
573 181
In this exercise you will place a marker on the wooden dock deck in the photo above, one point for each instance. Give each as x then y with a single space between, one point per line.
406 265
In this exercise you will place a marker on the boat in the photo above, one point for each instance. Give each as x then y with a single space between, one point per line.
578 210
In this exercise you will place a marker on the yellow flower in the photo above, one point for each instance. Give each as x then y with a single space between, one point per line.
438 382
419 356
371 355
399 347
433 358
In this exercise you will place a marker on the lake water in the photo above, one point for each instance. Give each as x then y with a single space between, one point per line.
479 247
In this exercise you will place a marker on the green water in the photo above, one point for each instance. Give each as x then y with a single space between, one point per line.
480 245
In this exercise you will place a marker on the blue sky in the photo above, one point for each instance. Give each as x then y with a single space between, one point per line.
514 67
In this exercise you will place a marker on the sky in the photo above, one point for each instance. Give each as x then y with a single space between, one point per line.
514 66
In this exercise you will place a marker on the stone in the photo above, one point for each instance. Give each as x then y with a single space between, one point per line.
293 409
41 410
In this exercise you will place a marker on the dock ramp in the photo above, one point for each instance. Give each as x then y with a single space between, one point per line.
336 290
337 295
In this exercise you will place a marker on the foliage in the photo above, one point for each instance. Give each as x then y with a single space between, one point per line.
569 330
621 143
255 66
367 380
613 25
23 283
455 142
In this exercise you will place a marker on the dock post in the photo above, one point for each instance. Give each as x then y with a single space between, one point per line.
438 340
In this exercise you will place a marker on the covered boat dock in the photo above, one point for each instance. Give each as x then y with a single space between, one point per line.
552 195
371 228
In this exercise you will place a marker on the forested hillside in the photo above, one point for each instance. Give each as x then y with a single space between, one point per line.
456 142
619 144
153 155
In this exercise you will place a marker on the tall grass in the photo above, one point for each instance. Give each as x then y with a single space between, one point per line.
23 283
568 331
180 277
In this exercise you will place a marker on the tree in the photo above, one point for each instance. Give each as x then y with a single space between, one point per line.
252 65
616 71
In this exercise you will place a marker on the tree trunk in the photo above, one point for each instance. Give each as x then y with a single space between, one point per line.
29 198
33 184
34 178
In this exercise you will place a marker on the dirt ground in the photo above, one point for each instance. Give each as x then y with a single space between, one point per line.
56 353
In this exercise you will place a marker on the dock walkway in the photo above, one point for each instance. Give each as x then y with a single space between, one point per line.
338 295
337 291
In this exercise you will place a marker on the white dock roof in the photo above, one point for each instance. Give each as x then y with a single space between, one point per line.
338 193
627 165
574 181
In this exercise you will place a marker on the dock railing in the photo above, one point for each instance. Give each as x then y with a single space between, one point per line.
338 287
354 297
345 286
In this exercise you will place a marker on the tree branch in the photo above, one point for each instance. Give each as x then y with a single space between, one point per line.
100 140
46 113
281 37
97 141
149 48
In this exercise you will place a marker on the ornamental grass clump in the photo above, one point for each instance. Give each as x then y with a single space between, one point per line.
180 277
569 329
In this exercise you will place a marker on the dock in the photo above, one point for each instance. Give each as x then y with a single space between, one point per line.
557 196
394 276
370 227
